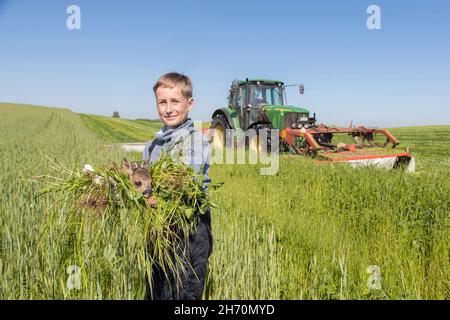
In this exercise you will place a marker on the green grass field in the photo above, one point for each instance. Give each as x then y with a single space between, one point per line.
310 232
430 144
116 130
121 130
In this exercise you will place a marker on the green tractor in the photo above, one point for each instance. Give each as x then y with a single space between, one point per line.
260 105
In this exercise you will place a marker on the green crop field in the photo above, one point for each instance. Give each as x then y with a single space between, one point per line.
121 130
117 130
310 232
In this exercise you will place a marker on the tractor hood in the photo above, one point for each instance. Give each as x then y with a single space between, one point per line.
281 116
282 109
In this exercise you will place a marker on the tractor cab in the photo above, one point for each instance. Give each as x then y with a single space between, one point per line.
256 93
263 103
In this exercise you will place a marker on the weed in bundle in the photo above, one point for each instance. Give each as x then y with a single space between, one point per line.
165 228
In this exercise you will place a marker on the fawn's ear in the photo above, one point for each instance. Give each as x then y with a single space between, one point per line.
134 166
126 166
146 164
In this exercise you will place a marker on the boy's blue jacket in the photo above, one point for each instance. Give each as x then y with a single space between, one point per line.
184 144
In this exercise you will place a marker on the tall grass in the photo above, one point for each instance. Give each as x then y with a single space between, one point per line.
332 223
39 242
311 232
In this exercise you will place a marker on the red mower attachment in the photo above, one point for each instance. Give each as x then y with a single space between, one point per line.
359 146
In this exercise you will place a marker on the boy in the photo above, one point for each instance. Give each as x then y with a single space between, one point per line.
178 138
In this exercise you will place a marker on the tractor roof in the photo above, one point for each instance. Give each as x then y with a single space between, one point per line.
264 81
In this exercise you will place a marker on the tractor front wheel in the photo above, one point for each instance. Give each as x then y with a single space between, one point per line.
219 126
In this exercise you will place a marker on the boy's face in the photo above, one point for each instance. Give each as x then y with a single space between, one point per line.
173 107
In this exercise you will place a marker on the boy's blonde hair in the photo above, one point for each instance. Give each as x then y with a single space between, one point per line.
174 79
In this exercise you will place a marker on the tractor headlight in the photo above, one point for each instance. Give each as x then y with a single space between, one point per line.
304 118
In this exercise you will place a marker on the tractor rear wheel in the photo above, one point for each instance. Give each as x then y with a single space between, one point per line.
219 125
255 142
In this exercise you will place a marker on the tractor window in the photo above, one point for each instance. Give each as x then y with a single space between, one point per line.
232 99
276 95
242 97
266 95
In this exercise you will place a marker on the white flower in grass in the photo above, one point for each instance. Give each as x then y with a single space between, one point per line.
89 169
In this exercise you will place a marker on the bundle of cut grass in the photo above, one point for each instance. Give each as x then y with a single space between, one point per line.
165 227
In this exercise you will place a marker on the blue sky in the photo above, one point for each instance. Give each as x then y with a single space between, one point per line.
399 75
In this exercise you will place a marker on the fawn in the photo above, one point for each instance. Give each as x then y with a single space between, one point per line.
140 178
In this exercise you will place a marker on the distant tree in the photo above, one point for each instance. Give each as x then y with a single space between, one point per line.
116 114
